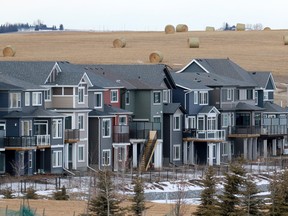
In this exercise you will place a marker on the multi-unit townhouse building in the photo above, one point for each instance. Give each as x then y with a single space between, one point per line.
255 127
58 116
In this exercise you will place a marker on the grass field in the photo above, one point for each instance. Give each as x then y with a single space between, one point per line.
252 50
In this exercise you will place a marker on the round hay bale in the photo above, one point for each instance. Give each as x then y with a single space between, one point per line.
267 29
210 28
181 28
169 29
119 43
9 51
285 39
156 57
193 42
240 27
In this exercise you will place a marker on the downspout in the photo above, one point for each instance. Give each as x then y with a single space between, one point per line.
99 148
185 103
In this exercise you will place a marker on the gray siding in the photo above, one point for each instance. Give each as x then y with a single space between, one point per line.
142 105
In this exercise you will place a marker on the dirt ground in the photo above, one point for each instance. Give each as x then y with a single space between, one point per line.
252 50
74 208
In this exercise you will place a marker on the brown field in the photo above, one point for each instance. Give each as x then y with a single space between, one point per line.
252 50
74 208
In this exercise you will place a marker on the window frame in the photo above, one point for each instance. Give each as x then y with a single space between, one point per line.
176 123
30 159
104 135
176 152
114 98
81 157
81 122
81 93
106 156
47 95
96 94
122 117
203 98
196 101
57 159
127 97
37 98
17 98
158 101
57 132
27 99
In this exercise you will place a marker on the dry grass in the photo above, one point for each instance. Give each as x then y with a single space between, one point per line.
252 50
70 208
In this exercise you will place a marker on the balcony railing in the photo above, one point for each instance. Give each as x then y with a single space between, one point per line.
43 140
263 130
22 142
72 135
140 130
121 134
205 134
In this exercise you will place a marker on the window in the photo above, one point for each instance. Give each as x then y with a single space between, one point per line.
256 97
265 96
225 120
166 96
157 119
106 128
176 152
27 98
81 95
225 148
201 123
81 153
203 98
47 95
37 98
81 122
106 157
195 97
40 127
15 100
57 159
114 96
30 159
156 97
191 122
127 97
242 94
98 100
26 128
21 160
176 125
57 128
122 120
211 123
229 94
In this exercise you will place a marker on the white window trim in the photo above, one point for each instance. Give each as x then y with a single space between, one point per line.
57 123
242 94
174 122
101 99
27 99
111 96
229 94
122 116
81 116
195 97
165 96
109 120
37 98
154 93
109 157
81 89
18 100
176 157
202 98
83 153
58 162
47 95
30 160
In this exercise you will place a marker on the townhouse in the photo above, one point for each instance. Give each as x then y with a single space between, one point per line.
255 127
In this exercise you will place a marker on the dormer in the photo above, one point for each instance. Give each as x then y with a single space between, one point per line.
53 74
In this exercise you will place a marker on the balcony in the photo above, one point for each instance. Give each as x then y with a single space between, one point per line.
43 140
121 134
203 135
20 142
258 130
72 136
140 130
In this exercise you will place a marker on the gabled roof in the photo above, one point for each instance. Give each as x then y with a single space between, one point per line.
208 109
188 84
134 76
38 112
171 108
109 111
273 108
224 68
262 78
241 106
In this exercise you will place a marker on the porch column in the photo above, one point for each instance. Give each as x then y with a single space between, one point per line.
191 153
265 148
274 147
229 150
250 148
135 156
185 152
158 156
245 148
254 154
210 154
43 159
116 160
74 156
282 146
66 156
218 153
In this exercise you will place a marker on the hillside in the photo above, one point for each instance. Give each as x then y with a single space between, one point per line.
252 50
